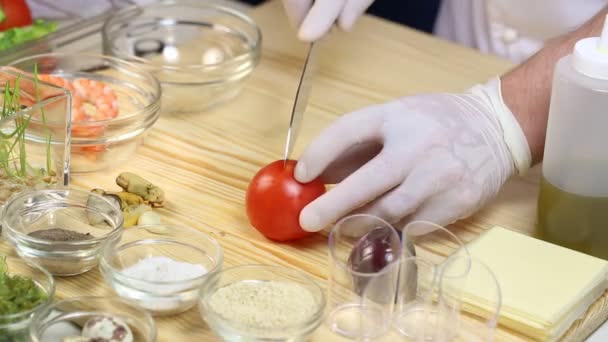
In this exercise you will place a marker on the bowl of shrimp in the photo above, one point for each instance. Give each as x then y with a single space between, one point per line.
113 104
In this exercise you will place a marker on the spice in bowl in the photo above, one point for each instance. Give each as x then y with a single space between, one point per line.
161 268
264 304
60 234
53 228
166 280
261 303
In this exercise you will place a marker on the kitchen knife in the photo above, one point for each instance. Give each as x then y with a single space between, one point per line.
301 100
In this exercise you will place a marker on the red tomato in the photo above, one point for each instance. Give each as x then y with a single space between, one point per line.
17 14
274 201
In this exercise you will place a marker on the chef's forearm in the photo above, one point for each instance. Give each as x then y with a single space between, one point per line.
527 88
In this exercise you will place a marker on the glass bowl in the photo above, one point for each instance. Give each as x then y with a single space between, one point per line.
109 116
37 126
121 267
200 52
13 327
306 300
76 213
67 318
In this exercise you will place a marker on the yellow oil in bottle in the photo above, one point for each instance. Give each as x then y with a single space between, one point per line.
574 221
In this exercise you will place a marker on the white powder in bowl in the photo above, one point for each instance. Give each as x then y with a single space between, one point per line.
161 268
162 298
264 304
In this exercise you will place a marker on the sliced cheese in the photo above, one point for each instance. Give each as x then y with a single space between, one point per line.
545 287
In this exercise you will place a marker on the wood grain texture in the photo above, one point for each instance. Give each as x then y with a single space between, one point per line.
205 160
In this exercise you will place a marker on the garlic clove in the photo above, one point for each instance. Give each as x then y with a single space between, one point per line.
98 207
149 217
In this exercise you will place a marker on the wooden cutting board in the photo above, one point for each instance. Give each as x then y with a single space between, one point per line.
205 160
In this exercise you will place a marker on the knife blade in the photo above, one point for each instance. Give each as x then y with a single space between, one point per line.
301 100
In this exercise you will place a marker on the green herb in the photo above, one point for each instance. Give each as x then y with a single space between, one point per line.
20 35
13 152
17 294
2 15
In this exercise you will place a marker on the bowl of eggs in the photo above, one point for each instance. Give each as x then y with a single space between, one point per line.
199 51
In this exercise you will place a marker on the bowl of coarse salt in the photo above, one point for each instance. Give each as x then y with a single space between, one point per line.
261 303
161 267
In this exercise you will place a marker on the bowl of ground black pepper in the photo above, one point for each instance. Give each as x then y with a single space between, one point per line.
63 231
262 303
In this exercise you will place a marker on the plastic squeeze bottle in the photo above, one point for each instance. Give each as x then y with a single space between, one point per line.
573 200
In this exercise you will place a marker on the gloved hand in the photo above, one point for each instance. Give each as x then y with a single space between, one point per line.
435 158
313 21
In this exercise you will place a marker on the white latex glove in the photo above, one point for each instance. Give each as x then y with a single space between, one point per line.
315 20
435 158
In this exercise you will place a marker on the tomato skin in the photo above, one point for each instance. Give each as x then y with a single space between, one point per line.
17 14
274 200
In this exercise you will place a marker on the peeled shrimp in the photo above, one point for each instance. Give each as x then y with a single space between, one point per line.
100 95
84 91
56 80
27 93
91 100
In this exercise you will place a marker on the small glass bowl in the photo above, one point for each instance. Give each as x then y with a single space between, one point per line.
200 52
45 110
66 318
15 327
99 141
160 297
72 210
231 330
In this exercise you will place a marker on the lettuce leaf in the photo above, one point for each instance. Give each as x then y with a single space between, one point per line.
20 35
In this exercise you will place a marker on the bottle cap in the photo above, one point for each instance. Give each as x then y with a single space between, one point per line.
590 56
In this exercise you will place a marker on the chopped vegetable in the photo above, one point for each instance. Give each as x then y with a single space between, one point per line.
2 15
17 294
20 35
129 199
96 203
137 185
138 196
131 205
132 214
